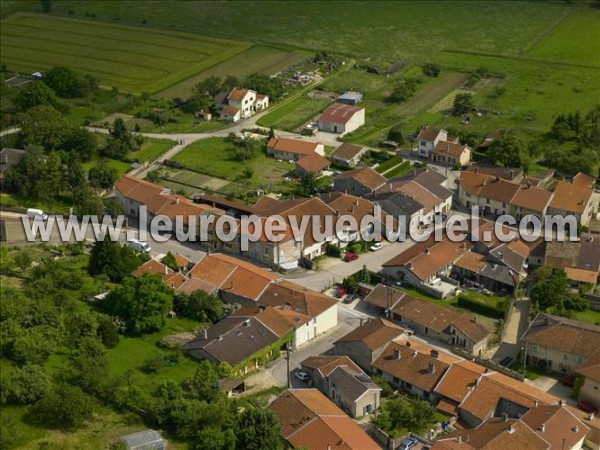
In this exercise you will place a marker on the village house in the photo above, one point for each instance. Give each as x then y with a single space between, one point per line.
308 156
489 139
590 371
429 137
507 173
365 343
362 181
444 324
344 383
308 419
235 281
347 155
400 206
153 267
575 198
476 270
424 264
413 367
455 385
243 103
580 259
243 341
450 154
341 118
496 196
382 299
559 345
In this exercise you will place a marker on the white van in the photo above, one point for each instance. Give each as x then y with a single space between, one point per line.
139 246
34 213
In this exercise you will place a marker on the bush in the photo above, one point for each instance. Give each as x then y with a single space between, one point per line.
389 164
334 250
495 312
355 248
432 69
108 333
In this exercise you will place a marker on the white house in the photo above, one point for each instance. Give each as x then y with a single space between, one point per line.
428 138
341 118
246 101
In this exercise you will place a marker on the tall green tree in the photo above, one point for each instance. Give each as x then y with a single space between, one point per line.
258 429
64 81
44 125
66 407
112 259
463 103
507 151
34 94
142 303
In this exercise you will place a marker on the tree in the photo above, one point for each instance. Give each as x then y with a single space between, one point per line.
213 438
120 141
271 132
53 181
308 184
463 103
432 69
34 346
395 134
507 150
142 303
258 429
86 202
102 176
64 81
46 5
25 385
81 142
112 259
264 84
204 385
43 125
350 284
107 332
169 261
404 90
199 305
550 288
34 94
209 87
229 83
66 407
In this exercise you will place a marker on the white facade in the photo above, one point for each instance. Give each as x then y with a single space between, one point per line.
426 146
357 120
316 326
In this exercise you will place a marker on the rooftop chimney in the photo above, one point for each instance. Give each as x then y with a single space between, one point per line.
543 427
427 251
511 429
205 333
575 429
396 353
535 404
430 367
592 416
474 319
408 344
434 353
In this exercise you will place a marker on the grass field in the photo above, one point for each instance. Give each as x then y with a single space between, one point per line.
385 31
132 59
212 156
294 114
257 59
576 41
150 150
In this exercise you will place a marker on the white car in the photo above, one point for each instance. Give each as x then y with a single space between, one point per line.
302 376
376 246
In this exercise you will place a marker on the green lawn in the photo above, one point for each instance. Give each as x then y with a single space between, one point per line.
589 316
135 59
212 156
121 167
576 40
294 114
150 150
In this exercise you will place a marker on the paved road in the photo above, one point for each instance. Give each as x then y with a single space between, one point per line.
513 331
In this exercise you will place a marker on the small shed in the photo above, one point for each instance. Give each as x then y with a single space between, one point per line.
145 440
350 98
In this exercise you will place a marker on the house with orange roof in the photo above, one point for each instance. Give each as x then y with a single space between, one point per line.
429 137
575 198
341 118
413 367
308 156
243 103
450 154
365 343
308 419
171 278
590 371
344 383
361 181
424 263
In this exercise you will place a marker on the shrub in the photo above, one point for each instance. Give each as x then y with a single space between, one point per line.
432 69
334 251
489 310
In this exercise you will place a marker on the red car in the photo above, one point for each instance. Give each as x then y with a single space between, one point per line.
568 380
350 257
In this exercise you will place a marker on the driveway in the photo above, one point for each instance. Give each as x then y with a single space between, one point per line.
334 270
554 387
513 331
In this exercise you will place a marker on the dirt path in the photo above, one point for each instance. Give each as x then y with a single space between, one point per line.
425 98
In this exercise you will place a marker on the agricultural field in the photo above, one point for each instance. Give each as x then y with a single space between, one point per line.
386 32
129 58
575 41
257 59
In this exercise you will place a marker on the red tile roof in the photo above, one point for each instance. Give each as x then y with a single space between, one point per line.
366 176
339 113
293 146
313 163
571 197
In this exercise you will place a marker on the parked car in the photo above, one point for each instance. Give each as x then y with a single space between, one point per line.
585 406
302 376
408 443
376 246
139 246
568 380
350 298
34 213
341 291
350 257
505 361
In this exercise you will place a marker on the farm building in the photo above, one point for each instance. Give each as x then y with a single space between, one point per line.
347 155
341 118
144 440
350 98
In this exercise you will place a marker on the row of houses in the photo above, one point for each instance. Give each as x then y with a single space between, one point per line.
497 196
484 405
274 312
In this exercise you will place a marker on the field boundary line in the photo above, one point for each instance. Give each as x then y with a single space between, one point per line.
568 13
